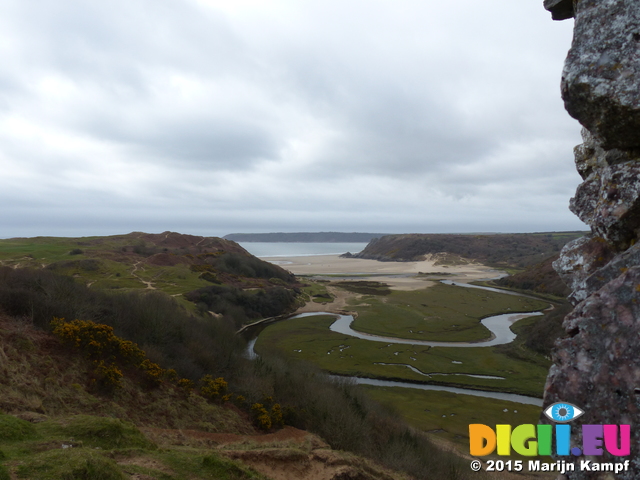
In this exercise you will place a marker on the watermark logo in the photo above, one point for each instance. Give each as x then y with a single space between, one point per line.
530 440
562 412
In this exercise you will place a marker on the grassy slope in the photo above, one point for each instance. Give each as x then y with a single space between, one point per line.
53 426
45 383
133 261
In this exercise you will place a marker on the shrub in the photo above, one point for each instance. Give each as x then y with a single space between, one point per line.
154 373
186 385
276 415
213 390
97 341
106 377
261 416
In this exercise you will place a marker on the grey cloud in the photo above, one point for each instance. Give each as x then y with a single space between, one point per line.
321 114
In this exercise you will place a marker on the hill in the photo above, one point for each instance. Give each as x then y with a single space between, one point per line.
497 250
304 237
186 267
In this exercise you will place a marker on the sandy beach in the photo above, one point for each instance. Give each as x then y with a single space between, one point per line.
399 275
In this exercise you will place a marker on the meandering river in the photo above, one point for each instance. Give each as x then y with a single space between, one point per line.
498 325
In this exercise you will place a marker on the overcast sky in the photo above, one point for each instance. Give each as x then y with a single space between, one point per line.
212 117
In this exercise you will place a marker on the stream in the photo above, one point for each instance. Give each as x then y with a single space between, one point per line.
498 325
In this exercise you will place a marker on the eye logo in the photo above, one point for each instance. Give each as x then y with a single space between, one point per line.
563 412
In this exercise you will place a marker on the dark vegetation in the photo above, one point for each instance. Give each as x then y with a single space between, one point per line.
347 418
365 287
321 237
541 335
497 250
540 278
244 266
242 306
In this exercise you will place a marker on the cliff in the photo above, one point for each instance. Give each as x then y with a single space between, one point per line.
596 364
517 250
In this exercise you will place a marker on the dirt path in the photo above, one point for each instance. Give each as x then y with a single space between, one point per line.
133 272
338 304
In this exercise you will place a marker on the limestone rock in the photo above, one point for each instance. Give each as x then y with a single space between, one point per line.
613 269
600 77
579 260
609 202
590 155
596 367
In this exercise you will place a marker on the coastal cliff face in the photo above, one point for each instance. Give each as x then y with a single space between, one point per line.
597 365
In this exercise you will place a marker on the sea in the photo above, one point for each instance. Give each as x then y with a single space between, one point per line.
294 249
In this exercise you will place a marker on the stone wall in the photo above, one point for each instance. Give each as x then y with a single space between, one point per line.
597 365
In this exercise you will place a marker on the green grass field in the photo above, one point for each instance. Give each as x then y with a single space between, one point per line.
444 414
438 313
449 414
310 339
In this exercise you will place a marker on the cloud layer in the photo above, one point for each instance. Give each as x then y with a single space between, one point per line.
211 117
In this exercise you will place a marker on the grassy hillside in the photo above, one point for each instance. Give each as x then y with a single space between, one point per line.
56 424
169 262
497 250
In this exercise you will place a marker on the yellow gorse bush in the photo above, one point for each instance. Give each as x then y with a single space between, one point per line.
213 389
109 352
98 341
261 416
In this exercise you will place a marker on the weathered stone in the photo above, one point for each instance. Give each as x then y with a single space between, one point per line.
590 155
560 9
600 77
613 269
596 367
579 259
609 202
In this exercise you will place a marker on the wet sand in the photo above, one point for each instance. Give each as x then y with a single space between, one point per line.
399 275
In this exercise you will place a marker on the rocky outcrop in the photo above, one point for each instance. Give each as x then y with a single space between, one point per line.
597 365
560 9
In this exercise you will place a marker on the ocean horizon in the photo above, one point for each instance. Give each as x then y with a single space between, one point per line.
295 249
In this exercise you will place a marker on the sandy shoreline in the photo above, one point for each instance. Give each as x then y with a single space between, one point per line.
400 275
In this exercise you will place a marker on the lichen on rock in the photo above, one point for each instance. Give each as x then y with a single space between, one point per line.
600 77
